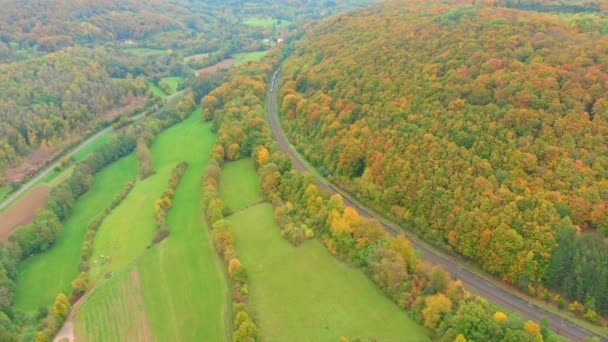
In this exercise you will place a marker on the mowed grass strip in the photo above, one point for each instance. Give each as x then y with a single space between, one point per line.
182 281
184 286
116 308
304 293
239 185
43 276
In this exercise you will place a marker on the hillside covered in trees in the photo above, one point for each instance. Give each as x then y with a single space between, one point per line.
482 128
65 65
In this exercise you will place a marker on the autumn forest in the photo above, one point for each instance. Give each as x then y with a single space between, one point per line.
304 170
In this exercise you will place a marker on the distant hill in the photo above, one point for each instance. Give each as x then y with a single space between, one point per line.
64 64
482 127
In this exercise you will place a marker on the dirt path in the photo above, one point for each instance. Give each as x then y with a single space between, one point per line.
472 282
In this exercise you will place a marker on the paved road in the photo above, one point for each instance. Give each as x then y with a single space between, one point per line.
471 281
40 175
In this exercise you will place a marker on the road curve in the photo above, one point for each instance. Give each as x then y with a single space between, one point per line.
472 282
40 175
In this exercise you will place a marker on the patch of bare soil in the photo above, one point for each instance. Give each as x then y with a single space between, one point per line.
32 162
136 102
22 212
226 63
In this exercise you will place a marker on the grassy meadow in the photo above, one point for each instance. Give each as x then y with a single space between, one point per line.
266 22
182 282
4 190
145 52
240 189
244 57
304 293
156 91
120 302
173 82
43 276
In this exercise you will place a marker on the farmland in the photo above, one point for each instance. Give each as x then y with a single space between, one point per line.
173 82
304 293
145 52
23 211
184 261
42 276
244 57
266 22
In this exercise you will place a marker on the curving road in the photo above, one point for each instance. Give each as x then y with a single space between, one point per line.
471 281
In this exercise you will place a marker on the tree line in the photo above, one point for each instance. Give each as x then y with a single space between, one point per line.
480 128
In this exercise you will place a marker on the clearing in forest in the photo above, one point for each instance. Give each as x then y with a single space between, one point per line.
266 22
173 82
241 190
182 281
304 293
145 52
244 57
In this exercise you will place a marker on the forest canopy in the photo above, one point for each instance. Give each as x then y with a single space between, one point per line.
484 128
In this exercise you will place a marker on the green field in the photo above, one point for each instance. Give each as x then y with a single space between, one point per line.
304 293
266 22
182 282
4 190
120 302
156 91
244 57
173 82
43 276
145 52
239 189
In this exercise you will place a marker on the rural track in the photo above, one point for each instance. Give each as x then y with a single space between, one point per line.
472 281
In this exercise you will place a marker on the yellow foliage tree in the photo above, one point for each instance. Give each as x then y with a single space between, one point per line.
531 328
460 338
233 152
41 337
435 305
500 316
262 156
61 308
233 265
